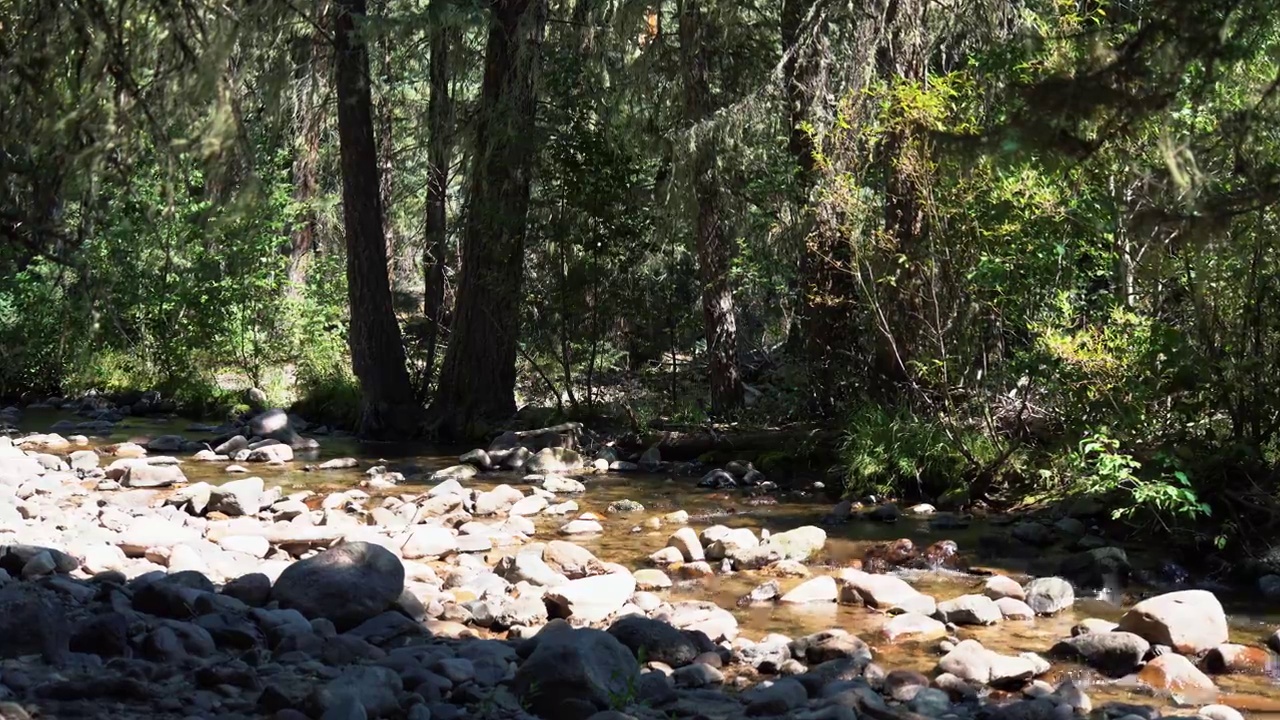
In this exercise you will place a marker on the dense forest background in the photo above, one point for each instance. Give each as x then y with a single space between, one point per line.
1007 248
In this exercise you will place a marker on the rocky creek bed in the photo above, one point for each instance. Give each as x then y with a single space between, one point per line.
249 570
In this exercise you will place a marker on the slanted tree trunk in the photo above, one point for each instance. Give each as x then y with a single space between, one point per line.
387 408
714 247
477 382
439 156
311 63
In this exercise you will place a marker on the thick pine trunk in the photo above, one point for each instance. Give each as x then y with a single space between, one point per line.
387 408
440 117
714 247
311 61
477 382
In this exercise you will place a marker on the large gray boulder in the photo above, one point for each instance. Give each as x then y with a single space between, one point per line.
1114 653
654 640
569 669
346 585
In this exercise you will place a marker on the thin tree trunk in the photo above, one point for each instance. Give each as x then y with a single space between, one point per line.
387 409
714 247
311 61
386 143
440 117
477 383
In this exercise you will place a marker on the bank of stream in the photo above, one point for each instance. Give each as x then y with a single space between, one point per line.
628 539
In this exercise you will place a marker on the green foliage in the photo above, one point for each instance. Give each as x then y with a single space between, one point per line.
893 451
1163 492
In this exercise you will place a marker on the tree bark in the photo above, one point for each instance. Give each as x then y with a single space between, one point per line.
904 323
386 144
439 157
311 61
714 247
477 382
377 353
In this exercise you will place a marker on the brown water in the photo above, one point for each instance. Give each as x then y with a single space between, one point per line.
627 541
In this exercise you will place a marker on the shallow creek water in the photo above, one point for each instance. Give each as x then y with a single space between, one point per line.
626 541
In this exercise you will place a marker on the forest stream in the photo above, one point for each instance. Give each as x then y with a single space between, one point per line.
628 538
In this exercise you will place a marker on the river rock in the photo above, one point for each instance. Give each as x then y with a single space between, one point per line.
1001 586
558 484
1241 659
970 610
883 592
591 599
650 460
1174 673
819 589
969 660
781 698
151 531
800 544
32 622
425 541
581 527
342 463
572 561
651 579
498 500
1219 712
706 617
146 475
1189 621
914 627
360 691
569 669
1015 609
686 541
346 585
654 640
1096 568
1049 595
237 497
730 543
279 453
530 505
83 460
553 460
528 566
1114 653
276 425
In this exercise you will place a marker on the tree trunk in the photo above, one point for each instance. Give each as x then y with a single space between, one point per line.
386 144
377 354
439 157
311 61
904 325
477 383
805 74
714 247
